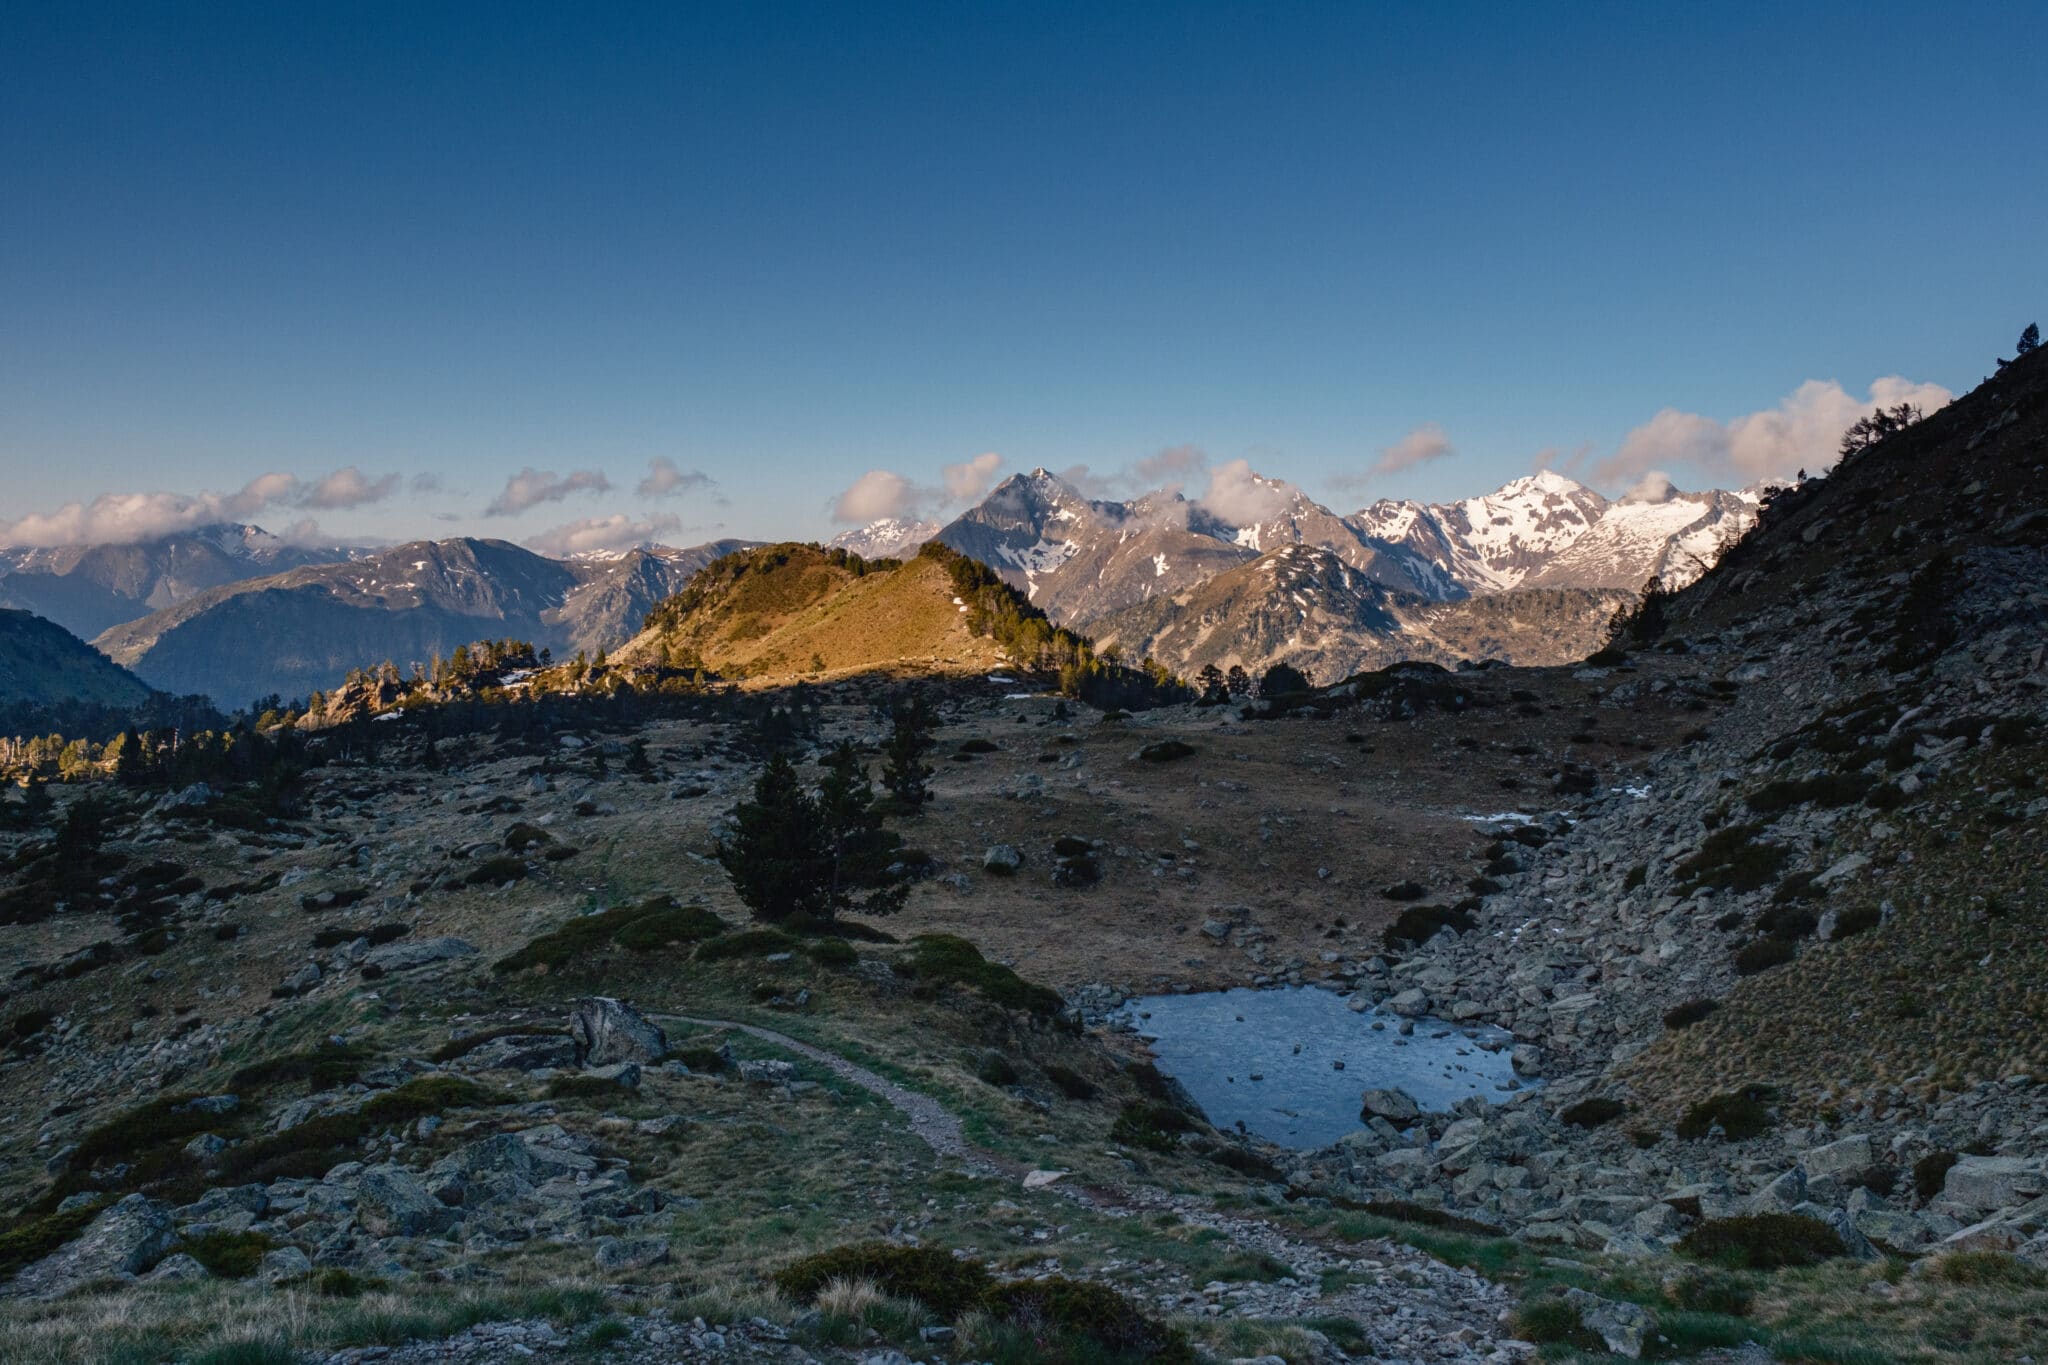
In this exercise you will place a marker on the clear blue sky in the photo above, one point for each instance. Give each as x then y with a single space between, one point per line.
787 244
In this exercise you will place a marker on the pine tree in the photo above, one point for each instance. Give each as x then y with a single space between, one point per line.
859 851
776 855
904 771
1281 680
1213 689
2030 340
1237 682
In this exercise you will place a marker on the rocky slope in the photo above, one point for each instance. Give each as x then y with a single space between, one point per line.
89 589
889 538
1795 967
1309 608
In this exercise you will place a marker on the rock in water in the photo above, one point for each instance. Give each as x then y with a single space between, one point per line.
608 1031
1395 1106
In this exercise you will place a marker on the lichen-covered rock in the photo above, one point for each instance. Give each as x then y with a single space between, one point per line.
120 1244
606 1031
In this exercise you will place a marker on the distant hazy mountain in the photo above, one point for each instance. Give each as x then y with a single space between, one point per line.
89 588
42 664
889 538
302 630
1306 606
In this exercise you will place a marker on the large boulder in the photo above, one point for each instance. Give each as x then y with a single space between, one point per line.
1985 1183
608 1031
1395 1106
404 957
1623 1327
393 1202
1844 1156
121 1243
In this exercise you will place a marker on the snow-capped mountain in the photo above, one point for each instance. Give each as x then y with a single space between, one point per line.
1081 559
1307 606
1546 530
889 538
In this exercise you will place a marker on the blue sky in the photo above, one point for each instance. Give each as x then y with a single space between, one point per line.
783 246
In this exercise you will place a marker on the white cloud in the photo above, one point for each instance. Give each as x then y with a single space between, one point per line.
969 480
126 518
1241 498
349 487
531 487
1174 465
874 495
664 479
588 535
1801 432
1655 486
1427 442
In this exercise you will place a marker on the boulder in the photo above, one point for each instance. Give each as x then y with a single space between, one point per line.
284 1264
521 1052
393 1202
1845 1156
121 1243
407 956
1001 860
1985 1183
606 1031
631 1253
768 1072
1395 1106
178 1268
1623 1327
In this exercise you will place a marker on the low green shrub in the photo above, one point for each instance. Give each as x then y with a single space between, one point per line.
1591 1113
1151 1125
1733 858
577 938
746 943
940 959
1930 1173
933 1276
1740 1115
1997 1269
1080 1320
1688 1013
500 870
324 1067
1762 954
993 1068
1550 1319
1829 790
310 1148
1860 919
669 925
229 1255
1401 1211
456 1048
1069 1082
26 1240
832 952
1418 924
1763 1241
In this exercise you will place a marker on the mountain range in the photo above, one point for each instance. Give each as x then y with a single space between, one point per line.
298 631
232 612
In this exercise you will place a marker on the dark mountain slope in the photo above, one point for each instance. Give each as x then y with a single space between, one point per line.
42 664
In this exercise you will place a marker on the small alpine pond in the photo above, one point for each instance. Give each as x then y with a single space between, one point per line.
1291 1063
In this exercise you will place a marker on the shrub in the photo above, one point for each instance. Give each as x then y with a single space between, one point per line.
579 937
1789 922
667 925
312 1146
27 1240
1404 891
1859 919
1699 1291
1401 1211
1762 954
1690 1012
1829 790
229 1255
1734 859
523 836
1991 1268
1418 924
708 1060
1740 1115
994 1068
1081 1320
502 870
1637 875
1151 1125
832 952
1070 1082
324 1067
747 943
946 958
933 1276
978 745
1930 1173
1593 1112
1763 1241
1552 1319
1166 751
160 1123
